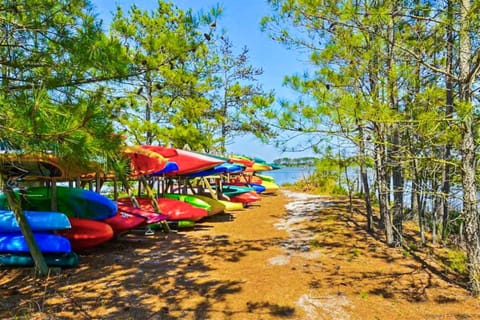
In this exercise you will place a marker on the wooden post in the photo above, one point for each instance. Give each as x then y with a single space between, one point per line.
53 204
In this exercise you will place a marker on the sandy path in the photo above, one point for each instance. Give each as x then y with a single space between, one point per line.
293 256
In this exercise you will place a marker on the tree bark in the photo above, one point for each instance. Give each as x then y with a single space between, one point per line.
37 255
468 147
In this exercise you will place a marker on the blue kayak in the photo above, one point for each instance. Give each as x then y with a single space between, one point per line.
51 259
169 167
38 221
219 169
47 242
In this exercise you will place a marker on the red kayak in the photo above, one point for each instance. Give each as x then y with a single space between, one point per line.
246 198
124 221
86 233
144 161
187 161
149 216
171 208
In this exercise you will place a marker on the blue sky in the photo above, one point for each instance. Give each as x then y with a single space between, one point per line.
241 19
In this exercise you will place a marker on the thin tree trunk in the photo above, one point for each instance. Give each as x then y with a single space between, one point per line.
394 154
448 115
382 184
37 255
416 201
364 178
468 147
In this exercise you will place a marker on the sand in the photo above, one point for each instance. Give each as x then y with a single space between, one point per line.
291 256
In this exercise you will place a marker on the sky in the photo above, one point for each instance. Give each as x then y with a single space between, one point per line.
241 20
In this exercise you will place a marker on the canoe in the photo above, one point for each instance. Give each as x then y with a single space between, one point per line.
73 202
38 221
173 209
86 233
126 207
124 221
14 242
190 199
188 162
52 259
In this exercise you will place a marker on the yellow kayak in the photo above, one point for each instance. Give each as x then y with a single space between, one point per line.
232 206
216 205
270 187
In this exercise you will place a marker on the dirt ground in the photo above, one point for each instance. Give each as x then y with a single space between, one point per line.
292 256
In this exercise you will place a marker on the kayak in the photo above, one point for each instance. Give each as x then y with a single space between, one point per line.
219 169
175 225
126 206
194 201
270 187
216 206
265 177
258 188
232 190
86 234
231 206
14 242
73 202
38 221
246 198
124 221
144 161
171 208
188 162
52 259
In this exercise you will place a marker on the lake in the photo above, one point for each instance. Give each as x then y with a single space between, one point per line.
288 174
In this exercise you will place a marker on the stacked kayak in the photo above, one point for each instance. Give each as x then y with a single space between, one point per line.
38 221
86 233
83 208
56 249
73 202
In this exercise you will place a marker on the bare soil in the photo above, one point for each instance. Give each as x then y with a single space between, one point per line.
292 256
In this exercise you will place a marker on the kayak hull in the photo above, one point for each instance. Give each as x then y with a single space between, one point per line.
38 221
86 234
14 242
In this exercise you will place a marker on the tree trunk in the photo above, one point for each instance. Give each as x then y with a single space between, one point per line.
448 114
394 154
468 147
382 184
364 178
37 255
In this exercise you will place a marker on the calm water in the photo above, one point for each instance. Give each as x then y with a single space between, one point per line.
288 174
